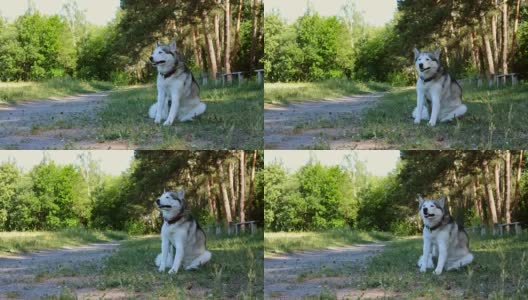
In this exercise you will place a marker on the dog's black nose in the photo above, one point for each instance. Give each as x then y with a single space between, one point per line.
420 65
425 210
151 58
157 201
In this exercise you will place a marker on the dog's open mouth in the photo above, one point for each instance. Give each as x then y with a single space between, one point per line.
425 69
429 215
155 63
164 206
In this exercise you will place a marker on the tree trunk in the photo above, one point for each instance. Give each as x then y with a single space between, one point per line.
487 46
236 45
251 194
476 201
231 172
489 191
504 39
507 214
515 29
474 50
498 189
223 189
196 49
227 41
216 22
252 53
517 196
242 186
209 196
494 34
210 45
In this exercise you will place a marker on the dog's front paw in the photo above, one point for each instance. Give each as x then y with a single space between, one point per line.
437 271
432 123
161 269
423 268
168 122
416 121
172 270
157 120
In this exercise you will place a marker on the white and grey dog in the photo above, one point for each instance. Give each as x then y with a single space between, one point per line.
435 85
442 238
176 85
182 239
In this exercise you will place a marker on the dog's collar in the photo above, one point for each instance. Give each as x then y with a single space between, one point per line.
441 72
434 227
175 219
169 74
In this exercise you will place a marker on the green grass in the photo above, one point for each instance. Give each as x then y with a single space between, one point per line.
287 242
499 271
283 93
235 270
14 92
16 241
233 120
496 119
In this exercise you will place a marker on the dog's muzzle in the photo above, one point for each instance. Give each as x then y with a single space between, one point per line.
426 214
162 206
155 63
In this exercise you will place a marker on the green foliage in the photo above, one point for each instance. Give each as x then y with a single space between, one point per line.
9 180
315 197
313 48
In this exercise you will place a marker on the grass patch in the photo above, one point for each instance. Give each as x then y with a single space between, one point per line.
282 93
15 241
499 271
495 120
287 242
235 270
13 92
233 120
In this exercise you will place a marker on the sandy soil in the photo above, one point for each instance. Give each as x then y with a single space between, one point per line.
25 276
29 124
298 125
309 273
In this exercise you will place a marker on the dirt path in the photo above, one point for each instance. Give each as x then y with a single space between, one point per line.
309 273
56 123
327 123
31 276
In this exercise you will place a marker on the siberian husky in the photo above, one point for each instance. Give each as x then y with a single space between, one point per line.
442 238
434 84
182 239
176 85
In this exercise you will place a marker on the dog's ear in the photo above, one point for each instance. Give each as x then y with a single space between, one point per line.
172 46
416 53
421 200
437 53
180 193
157 44
441 202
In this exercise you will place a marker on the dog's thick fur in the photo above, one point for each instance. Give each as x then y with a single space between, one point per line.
176 85
442 238
182 239
435 85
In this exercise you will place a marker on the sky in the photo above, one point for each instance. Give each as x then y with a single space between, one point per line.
378 162
375 12
112 162
97 12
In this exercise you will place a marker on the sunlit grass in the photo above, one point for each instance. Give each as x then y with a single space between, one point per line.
13 92
287 242
15 242
298 91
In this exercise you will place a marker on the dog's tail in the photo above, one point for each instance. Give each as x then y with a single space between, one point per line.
152 110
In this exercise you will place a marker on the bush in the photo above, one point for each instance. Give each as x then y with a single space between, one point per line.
134 227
